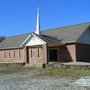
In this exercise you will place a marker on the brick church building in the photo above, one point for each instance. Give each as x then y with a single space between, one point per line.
66 44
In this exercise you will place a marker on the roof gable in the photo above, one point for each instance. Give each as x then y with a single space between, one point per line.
35 40
42 39
85 37
67 34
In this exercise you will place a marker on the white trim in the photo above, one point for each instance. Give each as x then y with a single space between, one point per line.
34 36
25 40
38 23
39 38
69 42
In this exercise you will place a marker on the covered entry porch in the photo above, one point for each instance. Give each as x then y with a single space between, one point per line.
43 50
61 53
36 55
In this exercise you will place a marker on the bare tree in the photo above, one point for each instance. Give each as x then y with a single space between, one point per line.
2 38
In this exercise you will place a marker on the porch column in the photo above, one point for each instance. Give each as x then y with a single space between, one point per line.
44 54
26 55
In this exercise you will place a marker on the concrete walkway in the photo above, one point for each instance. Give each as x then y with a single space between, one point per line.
77 63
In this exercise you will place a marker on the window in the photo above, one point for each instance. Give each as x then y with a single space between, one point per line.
5 54
14 54
9 54
19 54
38 53
31 53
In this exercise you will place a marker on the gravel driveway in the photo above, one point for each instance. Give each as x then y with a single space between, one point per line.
29 81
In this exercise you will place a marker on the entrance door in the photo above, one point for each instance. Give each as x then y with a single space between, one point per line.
53 55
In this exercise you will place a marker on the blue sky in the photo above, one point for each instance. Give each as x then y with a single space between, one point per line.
19 16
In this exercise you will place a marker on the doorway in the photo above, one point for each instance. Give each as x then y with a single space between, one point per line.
53 55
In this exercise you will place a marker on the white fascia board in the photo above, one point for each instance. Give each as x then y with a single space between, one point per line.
69 42
39 38
25 40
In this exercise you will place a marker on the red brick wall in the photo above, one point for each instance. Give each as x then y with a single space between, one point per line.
68 53
25 55
8 55
42 54
35 58
45 54
74 52
83 52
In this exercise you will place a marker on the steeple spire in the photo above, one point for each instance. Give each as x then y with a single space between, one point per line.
38 23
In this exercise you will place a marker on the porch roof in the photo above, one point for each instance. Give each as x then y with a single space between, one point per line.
50 41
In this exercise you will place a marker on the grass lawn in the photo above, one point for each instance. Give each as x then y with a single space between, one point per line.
46 72
63 73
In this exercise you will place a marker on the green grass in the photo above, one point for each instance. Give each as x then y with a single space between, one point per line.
46 72
64 73
12 70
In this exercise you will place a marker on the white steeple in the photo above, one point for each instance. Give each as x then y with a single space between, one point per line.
38 23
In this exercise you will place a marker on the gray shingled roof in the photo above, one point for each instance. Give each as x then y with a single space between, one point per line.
67 34
49 40
51 37
13 41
